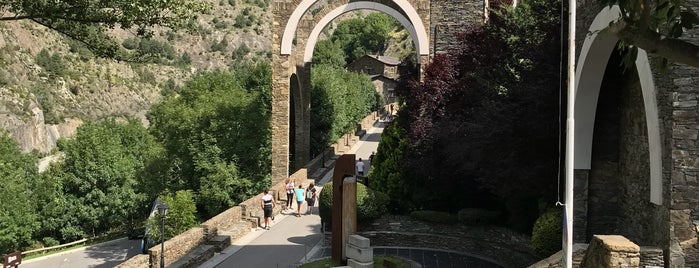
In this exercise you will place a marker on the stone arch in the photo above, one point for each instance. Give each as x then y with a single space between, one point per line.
292 36
416 25
417 33
594 55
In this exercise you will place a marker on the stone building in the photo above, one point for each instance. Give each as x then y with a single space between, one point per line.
383 72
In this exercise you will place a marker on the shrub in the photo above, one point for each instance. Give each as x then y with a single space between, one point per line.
130 43
49 241
370 204
547 232
434 216
478 216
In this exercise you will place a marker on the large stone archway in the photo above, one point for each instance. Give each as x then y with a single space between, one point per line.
294 35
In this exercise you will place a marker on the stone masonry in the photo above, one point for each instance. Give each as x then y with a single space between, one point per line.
612 196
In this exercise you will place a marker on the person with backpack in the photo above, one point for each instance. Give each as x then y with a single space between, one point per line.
311 198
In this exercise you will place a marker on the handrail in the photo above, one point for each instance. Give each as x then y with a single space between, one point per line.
54 247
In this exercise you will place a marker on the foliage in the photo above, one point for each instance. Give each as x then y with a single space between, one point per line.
217 135
370 204
180 215
53 64
354 38
87 21
386 173
656 27
547 233
482 123
329 53
339 100
220 46
361 36
241 51
97 186
434 216
18 217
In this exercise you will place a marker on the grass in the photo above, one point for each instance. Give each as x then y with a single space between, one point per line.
378 262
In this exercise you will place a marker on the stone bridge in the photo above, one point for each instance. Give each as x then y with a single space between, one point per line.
636 149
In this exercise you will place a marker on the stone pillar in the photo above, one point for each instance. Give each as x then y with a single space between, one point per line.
280 93
344 167
580 205
349 211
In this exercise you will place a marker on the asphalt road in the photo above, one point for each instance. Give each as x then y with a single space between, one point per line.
107 254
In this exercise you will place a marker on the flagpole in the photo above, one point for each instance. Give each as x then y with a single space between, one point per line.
570 141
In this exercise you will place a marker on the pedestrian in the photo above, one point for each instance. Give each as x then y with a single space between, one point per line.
267 203
299 199
360 167
289 192
311 198
371 158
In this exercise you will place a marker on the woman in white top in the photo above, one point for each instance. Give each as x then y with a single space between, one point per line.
289 193
267 203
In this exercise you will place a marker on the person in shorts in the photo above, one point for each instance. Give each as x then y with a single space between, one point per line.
267 203
299 200
311 196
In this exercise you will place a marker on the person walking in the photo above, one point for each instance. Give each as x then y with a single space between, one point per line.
267 203
311 196
289 193
299 199
360 167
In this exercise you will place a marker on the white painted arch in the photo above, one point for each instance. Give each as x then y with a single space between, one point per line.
313 38
413 22
594 55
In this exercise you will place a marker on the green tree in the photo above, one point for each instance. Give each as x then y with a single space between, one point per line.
386 174
217 133
100 173
657 27
18 217
329 53
180 216
88 20
339 100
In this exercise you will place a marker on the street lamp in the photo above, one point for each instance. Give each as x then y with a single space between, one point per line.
162 210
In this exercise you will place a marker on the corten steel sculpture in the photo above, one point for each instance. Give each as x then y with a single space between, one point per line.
344 167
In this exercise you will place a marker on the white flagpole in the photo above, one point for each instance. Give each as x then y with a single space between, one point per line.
570 141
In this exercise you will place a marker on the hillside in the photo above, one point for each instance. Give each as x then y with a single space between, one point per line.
49 84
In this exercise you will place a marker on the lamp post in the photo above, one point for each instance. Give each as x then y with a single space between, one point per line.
162 210
322 138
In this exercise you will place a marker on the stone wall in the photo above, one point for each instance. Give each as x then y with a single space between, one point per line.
184 243
451 17
604 183
684 210
639 218
611 251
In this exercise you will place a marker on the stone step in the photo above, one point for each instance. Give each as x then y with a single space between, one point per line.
196 257
238 230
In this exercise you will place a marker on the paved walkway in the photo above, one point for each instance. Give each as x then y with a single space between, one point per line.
291 240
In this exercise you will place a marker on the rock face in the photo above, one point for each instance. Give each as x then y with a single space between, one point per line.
36 136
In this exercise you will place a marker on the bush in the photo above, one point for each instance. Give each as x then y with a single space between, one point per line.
478 216
370 204
434 216
547 232
50 241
